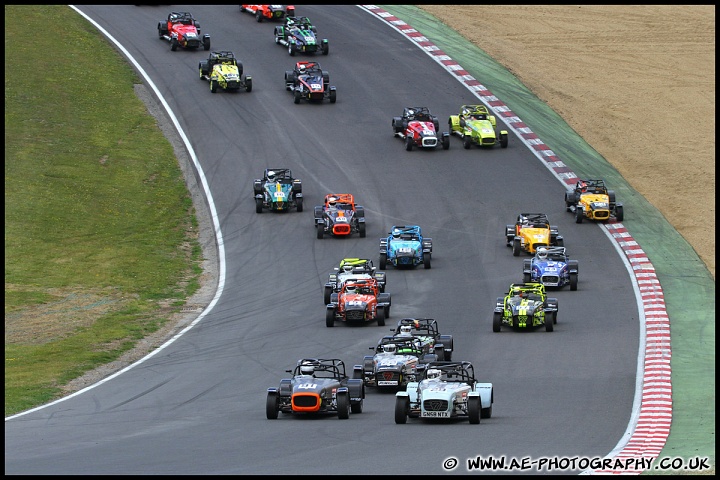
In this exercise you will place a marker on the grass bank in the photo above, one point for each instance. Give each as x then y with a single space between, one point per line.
99 242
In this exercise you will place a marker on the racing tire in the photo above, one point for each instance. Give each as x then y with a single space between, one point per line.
578 214
343 406
333 96
381 314
409 144
173 44
271 406
503 140
326 294
467 142
320 231
330 318
292 49
549 322
526 278
473 407
258 16
401 410
446 142
299 204
516 247
383 261
439 352
296 96
497 321
573 281
427 261
554 316
248 85
258 205
206 44
559 242
325 48
362 230
356 407
619 214
213 86
486 412
290 11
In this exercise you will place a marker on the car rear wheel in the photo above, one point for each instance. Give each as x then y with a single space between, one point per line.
526 278
439 352
497 321
401 409
343 406
427 260
271 406
473 407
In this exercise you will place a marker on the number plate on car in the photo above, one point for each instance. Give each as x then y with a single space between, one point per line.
435 414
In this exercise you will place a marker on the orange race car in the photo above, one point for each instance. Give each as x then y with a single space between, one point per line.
339 216
269 12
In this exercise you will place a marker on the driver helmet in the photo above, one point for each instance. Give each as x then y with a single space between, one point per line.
301 69
433 373
307 369
542 254
396 233
271 176
347 268
405 331
583 186
390 348
350 289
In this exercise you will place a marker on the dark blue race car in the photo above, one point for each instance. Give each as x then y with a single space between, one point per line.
405 246
551 267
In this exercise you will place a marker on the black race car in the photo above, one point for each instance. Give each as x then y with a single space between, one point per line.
426 331
339 216
317 386
307 81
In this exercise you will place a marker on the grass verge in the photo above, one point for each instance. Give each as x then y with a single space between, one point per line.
99 242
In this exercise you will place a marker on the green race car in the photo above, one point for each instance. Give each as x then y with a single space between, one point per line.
476 126
525 307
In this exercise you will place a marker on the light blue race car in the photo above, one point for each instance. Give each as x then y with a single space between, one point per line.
406 247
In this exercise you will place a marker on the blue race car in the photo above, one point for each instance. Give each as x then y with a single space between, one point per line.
405 247
551 267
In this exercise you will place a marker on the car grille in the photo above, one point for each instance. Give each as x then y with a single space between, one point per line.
386 378
435 405
600 214
354 314
279 205
429 142
317 96
233 85
309 48
195 43
551 280
341 229
306 402
488 141
522 321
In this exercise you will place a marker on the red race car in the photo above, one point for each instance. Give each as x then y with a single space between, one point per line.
309 82
418 128
358 300
269 12
182 30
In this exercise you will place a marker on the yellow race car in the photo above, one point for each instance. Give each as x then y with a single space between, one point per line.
532 230
592 200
